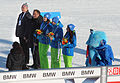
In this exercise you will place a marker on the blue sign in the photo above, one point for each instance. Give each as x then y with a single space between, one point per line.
53 14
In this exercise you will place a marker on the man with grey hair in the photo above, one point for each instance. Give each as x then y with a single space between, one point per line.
22 30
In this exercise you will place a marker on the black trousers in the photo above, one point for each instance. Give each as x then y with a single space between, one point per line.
25 47
36 58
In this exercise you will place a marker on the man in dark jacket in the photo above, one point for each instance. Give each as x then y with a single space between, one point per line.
22 30
36 22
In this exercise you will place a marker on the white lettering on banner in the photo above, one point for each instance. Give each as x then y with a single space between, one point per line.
50 74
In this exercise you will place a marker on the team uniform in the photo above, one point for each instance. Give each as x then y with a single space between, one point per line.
68 49
44 42
56 44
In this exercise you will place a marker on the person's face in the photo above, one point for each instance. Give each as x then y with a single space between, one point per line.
53 23
35 14
101 42
24 9
45 19
68 29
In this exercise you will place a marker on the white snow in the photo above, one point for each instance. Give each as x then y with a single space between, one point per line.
85 14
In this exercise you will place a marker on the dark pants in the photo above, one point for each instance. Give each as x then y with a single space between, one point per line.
25 47
36 58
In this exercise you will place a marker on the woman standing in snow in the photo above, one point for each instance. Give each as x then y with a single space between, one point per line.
56 43
44 41
69 43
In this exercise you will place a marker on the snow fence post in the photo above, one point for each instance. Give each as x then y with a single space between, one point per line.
103 75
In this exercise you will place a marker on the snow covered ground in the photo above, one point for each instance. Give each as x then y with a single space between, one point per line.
85 14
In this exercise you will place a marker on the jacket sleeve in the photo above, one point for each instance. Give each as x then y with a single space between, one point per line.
110 52
27 26
73 44
18 21
17 25
59 35
35 40
29 16
8 63
97 54
48 30
41 20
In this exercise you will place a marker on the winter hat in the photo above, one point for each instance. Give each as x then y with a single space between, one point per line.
103 42
71 26
55 19
47 15
25 4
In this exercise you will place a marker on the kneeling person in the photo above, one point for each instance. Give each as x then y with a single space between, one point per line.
16 58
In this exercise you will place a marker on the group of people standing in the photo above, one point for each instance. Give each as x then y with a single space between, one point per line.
38 33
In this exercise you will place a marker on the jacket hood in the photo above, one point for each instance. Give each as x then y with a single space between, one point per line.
55 19
47 15
95 38
71 26
102 45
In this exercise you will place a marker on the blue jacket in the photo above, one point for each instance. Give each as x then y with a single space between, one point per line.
94 42
46 28
106 54
58 35
69 48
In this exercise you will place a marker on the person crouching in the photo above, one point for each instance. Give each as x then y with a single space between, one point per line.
16 58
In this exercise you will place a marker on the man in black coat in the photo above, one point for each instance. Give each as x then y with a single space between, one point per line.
36 22
23 30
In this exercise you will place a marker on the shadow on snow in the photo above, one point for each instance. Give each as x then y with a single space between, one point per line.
5 44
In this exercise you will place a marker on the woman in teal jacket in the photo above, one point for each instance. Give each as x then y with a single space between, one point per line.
44 41
69 43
